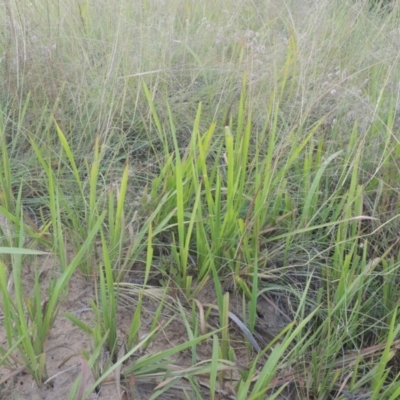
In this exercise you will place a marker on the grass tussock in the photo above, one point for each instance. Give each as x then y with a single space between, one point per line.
203 162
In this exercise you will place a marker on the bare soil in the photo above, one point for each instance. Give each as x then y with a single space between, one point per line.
66 343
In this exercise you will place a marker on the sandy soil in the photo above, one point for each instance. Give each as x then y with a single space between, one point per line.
66 342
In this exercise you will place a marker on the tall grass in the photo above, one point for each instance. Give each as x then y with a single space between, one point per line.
248 147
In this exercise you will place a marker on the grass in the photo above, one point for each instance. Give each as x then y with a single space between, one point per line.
195 156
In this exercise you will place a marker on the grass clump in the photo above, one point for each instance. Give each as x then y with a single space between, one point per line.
223 178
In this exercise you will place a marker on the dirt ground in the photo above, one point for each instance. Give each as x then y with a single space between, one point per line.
66 343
